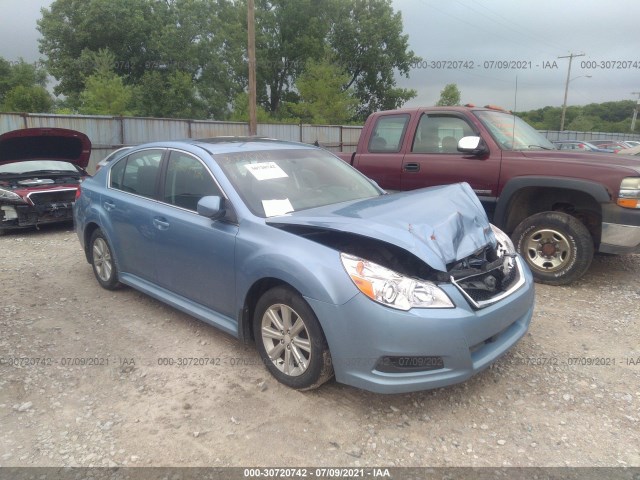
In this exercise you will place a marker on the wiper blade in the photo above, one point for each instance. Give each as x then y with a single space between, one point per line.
540 146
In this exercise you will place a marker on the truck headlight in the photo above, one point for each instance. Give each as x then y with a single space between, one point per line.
392 288
629 195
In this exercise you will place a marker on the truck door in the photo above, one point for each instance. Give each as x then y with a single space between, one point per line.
382 158
434 158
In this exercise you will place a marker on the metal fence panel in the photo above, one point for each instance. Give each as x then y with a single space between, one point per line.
208 129
142 130
11 121
288 132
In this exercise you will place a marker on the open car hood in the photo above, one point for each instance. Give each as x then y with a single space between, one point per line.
439 225
45 144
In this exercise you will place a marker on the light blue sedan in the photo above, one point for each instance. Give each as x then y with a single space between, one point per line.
286 245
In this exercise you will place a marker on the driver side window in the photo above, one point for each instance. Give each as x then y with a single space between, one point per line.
440 134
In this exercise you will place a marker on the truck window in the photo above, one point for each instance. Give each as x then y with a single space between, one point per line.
388 133
440 134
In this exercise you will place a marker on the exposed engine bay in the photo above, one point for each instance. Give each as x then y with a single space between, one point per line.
484 277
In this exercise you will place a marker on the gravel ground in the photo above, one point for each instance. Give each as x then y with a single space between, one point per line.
92 385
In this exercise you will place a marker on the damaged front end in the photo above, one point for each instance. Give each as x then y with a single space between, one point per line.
400 249
23 206
394 277
489 275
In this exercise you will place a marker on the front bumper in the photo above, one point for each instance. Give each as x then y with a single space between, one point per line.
620 230
14 216
362 335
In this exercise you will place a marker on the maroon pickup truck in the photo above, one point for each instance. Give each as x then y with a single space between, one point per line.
559 207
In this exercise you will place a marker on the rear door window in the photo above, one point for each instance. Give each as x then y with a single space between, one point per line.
137 173
388 133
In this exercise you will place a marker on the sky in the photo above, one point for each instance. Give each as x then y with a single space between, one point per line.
500 52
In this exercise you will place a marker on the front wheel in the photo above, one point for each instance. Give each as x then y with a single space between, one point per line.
557 247
290 340
104 266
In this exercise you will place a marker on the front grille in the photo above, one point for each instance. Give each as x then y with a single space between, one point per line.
46 197
490 286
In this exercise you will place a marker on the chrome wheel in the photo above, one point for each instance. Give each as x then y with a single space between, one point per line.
557 247
286 340
103 262
548 250
102 259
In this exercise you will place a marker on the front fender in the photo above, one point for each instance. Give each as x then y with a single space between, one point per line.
595 190
314 270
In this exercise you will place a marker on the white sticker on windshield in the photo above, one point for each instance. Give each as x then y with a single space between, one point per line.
274 208
265 170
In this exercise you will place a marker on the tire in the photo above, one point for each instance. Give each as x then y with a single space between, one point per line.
300 360
102 261
557 247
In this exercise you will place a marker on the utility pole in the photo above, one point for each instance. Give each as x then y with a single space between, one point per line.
251 51
635 112
566 87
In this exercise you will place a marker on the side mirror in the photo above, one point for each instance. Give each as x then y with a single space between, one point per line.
472 145
211 207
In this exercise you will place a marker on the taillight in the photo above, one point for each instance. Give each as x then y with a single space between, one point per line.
78 192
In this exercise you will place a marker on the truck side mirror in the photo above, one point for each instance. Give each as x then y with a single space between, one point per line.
472 145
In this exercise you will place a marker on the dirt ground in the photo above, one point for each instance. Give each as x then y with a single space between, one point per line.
86 380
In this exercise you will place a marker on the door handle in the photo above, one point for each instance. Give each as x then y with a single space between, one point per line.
411 167
109 205
160 223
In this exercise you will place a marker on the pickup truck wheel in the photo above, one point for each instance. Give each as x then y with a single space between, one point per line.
290 340
557 247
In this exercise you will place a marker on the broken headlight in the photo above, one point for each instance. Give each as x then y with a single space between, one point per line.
9 195
392 288
505 249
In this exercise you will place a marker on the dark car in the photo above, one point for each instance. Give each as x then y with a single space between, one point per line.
284 244
580 146
40 170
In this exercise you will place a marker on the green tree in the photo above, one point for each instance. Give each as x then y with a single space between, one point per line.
367 41
449 96
22 87
240 111
33 99
72 30
105 93
170 95
322 96
288 33
206 41
202 39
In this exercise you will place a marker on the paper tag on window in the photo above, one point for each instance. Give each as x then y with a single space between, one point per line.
273 208
265 170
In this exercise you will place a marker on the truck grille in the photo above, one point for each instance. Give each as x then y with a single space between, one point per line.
63 196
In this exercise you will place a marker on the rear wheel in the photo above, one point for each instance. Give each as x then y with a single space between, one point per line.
557 247
104 267
290 340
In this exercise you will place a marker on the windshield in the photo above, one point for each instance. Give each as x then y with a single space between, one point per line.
32 166
513 133
275 182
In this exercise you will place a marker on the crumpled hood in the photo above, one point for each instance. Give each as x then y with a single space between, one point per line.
439 225
45 144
